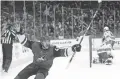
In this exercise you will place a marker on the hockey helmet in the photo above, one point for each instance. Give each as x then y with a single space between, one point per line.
106 28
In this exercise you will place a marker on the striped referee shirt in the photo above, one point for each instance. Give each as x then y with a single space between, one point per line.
7 37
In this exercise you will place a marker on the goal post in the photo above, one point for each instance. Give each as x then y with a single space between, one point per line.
90 50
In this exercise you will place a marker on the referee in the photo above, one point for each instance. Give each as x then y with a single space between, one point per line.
7 41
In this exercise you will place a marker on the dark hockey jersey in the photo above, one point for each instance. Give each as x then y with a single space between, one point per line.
47 54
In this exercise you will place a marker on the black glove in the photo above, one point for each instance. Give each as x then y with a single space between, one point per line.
76 48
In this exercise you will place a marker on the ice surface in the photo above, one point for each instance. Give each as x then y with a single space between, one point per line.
78 69
116 61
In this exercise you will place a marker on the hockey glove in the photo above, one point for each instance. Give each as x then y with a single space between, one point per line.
76 48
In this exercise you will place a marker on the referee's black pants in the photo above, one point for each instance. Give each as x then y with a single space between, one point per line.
7 56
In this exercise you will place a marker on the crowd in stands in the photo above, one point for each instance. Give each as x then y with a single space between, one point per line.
61 19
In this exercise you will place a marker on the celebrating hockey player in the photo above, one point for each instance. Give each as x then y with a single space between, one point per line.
44 53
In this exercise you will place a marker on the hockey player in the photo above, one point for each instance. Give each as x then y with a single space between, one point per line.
44 53
104 52
108 37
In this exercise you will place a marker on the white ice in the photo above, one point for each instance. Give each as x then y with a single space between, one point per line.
76 69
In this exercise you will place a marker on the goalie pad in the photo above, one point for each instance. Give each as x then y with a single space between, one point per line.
104 52
104 48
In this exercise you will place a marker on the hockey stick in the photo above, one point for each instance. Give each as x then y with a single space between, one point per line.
99 5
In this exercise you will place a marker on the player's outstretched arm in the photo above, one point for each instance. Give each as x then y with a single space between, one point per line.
67 51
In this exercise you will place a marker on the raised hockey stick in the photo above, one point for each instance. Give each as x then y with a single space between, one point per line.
99 5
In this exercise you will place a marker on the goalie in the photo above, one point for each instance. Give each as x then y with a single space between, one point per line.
104 52
108 37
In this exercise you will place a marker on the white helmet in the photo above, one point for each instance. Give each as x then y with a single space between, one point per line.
106 28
